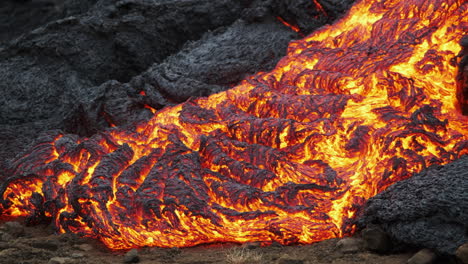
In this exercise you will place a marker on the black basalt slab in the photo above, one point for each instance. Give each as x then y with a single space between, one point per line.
428 210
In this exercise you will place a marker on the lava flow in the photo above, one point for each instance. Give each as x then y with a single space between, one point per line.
286 156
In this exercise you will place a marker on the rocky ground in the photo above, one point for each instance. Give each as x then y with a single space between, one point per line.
38 245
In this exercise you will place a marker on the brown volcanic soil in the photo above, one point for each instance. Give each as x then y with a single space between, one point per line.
40 245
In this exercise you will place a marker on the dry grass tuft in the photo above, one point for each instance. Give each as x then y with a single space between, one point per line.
244 256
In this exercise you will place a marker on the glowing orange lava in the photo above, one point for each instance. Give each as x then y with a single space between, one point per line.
286 156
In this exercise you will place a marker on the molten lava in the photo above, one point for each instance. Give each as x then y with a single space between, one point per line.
287 156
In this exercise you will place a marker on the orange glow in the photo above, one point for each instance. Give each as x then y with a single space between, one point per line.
150 108
319 7
287 156
294 28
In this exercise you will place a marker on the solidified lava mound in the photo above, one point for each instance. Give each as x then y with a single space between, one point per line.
427 210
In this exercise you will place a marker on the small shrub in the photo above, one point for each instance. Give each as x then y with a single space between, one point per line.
244 256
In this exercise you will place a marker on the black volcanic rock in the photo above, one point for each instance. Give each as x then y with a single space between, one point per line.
219 60
45 73
212 64
21 16
54 65
429 210
307 15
